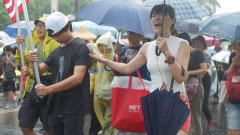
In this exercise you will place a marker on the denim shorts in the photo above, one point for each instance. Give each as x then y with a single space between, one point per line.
233 116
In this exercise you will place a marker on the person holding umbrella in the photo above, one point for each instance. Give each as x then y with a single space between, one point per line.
31 110
172 63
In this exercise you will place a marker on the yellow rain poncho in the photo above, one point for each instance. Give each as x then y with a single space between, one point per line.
103 90
49 45
93 70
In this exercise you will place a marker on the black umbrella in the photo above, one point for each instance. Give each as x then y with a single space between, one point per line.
164 112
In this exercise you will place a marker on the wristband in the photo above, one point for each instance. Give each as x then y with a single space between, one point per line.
170 60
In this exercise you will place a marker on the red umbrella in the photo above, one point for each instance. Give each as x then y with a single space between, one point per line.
210 41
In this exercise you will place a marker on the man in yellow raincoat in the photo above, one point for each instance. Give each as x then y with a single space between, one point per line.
31 108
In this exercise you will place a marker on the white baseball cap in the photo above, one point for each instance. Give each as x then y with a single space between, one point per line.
55 22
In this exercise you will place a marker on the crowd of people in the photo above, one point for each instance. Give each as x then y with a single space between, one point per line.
76 81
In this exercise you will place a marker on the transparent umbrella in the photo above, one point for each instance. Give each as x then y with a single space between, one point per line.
222 56
188 25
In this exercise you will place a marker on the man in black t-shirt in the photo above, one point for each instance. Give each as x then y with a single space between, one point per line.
69 64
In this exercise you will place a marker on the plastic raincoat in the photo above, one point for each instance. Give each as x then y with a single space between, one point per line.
49 45
103 90
93 70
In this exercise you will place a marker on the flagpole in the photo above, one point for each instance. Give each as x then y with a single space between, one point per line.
54 6
19 32
35 65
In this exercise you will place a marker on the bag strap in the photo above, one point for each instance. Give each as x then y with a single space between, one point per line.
172 81
140 78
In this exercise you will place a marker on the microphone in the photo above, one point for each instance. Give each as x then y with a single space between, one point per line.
157 51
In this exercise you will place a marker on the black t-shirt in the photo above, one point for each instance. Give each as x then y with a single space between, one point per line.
61 62
128 53
196 58
232 55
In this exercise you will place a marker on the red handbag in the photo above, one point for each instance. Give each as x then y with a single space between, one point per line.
127 112
233 83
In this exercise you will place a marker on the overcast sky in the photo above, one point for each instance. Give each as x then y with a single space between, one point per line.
228 6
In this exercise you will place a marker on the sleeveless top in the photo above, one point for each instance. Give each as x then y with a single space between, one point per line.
157 81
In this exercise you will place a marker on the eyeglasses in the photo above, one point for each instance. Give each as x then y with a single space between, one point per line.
40 26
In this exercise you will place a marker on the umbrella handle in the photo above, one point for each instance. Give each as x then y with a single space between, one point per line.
157 51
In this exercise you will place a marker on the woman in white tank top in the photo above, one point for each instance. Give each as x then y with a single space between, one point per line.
173 59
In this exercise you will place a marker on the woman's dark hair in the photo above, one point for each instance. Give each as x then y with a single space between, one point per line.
202 40
186 36
168 10
8 49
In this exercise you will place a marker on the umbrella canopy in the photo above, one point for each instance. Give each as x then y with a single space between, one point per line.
225 25
184 9
11 30
126 15
189 25
210 41
222 56
94 28
5 39
164 112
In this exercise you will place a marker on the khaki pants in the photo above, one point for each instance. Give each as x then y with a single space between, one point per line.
196 111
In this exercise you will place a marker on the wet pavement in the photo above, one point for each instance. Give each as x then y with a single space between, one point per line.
9 120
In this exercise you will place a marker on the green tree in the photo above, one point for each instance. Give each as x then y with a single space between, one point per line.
36 8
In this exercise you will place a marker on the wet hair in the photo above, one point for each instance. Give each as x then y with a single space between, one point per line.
168 10
186 36
201 39
70 24
175 32
8 49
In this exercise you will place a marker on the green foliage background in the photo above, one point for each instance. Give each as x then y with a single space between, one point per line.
36 8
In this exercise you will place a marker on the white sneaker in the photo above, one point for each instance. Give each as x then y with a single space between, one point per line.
8 106
100 132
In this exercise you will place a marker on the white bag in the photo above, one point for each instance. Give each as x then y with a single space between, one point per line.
223 98
122 82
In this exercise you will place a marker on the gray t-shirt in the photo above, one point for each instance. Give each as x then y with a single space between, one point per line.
8 67
207 57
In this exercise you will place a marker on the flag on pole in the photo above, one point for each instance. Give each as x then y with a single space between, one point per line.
9 4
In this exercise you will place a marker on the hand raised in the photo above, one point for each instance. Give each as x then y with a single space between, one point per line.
33 55
20 39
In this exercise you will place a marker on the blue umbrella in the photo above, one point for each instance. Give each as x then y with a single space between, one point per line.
126 15
11 30
225 26
94 28
184 9
164 112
